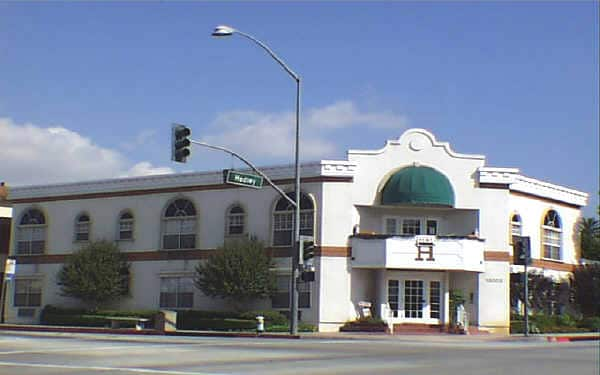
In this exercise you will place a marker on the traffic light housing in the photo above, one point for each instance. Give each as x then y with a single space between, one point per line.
308 249
180 143
521 250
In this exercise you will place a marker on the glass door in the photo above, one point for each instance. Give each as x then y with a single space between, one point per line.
413 299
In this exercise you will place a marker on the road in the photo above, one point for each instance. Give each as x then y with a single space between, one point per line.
51 353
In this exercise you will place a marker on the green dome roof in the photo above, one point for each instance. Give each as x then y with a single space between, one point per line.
418 185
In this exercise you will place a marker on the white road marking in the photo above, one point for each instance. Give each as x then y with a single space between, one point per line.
102 368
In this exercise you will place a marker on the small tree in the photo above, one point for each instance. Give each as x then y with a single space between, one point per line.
239 271
96 274
589 238
586 285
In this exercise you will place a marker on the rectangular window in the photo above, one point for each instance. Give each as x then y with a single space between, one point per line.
82 231
236 224
176 292
551 243
411 226
30 240
432 228
390 226
281 298
515 228
434 299
179 234
393 296
28 293
282 229
126 229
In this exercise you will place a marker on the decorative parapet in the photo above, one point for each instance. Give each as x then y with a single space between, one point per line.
547 190
502 176
282 172
512 180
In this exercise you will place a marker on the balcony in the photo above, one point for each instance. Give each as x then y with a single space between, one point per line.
435 253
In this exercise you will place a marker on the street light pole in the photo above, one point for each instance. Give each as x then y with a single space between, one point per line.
222 31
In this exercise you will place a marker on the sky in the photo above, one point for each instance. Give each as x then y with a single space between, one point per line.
90 90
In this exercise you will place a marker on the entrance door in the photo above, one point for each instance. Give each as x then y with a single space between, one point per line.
413 299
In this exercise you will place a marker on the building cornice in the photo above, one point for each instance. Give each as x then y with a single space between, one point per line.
324 170
509 178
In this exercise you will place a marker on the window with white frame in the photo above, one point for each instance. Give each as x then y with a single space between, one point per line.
126 226
31 233
515 225
176 292
551 235
179 225
28 293
82 227
236 217
281 298
410 226
283 220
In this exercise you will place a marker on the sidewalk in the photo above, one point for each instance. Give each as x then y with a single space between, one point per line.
568 337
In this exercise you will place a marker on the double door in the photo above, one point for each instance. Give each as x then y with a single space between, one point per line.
415 300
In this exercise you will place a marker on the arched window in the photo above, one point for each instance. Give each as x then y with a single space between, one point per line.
126 226
235 221
31 233
283 220
515 225
179 225
82 227
551 235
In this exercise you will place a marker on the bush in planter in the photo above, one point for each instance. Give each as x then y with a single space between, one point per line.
367 324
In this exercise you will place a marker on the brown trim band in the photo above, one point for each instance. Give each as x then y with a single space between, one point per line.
496 256
334 251
553 265
549 200
177 189
488 185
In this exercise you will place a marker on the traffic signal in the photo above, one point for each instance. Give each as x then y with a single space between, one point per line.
308 250
521 250
180 143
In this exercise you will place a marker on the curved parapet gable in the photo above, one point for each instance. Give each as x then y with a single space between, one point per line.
417 140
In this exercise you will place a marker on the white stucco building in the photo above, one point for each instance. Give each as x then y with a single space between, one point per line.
399 227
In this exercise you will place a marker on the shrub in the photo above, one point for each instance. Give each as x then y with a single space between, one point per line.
365 324
593 323
272 317
302 327
217 324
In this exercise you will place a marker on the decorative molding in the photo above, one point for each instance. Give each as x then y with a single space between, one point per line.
554 192
503 176
189 181
427 136
180 189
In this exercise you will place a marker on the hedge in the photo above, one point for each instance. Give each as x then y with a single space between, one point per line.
78 317
217 324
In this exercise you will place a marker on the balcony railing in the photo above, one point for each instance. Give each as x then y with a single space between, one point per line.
454 253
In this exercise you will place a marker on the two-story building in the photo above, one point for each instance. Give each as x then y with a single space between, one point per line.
400 227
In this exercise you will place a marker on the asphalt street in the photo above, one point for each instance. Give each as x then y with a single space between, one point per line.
51 353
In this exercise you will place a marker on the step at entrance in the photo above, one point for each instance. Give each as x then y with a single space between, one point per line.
415 328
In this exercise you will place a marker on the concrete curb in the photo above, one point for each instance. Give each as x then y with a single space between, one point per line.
153 332
593 337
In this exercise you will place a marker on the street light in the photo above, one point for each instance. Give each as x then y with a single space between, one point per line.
223 31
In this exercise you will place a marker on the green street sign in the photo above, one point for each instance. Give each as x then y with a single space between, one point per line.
243 179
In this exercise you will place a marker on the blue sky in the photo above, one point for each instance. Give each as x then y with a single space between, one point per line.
89 90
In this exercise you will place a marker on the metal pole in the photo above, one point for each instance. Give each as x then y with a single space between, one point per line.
526 299
295 256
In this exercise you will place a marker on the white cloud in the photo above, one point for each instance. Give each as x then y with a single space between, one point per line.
35 155
272 135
